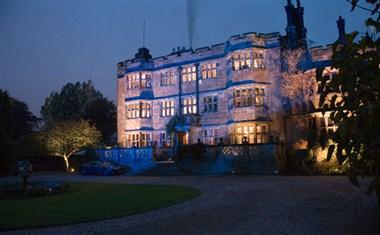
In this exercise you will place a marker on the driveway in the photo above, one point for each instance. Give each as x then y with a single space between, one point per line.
241 205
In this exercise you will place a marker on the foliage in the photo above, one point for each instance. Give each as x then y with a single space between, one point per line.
16 121
81 101
65 138
16 125
102 114
355 103
171 125
85 202
70 102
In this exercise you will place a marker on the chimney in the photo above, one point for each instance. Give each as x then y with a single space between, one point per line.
341 30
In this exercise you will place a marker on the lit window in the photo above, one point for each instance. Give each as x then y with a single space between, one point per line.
139 110
139 140
241 60
210 104
208 71
258 60
243 97
189 74
145 80
189 105
247 59
145 110
167 108
137 80
252 134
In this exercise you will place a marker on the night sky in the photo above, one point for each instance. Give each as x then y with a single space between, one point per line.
45 44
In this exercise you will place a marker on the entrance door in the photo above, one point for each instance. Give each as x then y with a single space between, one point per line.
183 138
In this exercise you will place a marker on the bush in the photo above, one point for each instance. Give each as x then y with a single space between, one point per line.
34 190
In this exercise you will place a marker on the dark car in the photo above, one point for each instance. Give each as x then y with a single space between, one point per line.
101 168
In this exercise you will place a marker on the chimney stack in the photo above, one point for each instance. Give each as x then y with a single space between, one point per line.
341 29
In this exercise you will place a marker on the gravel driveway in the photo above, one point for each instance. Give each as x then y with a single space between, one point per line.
241 205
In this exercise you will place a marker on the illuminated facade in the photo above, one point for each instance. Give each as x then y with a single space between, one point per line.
233 90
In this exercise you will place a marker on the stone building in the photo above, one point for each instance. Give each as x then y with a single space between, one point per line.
250 88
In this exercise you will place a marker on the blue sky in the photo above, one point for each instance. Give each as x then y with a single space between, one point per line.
45 44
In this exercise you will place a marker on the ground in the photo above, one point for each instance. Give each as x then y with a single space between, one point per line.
242 205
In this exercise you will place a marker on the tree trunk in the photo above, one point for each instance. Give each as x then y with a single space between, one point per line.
66 162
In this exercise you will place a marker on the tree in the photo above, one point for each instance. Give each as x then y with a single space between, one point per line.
65 138
81 101
102 114
355 102
70 102
17 123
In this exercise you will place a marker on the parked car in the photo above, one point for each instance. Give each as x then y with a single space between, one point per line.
101 168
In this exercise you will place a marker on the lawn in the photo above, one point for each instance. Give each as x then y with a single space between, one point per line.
88 202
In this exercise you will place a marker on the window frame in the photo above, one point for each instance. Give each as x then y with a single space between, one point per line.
189 108
210 104
189 73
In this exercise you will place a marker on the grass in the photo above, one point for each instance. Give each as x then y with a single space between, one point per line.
89 202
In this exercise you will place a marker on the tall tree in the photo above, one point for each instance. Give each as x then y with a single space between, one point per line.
65 138
16 124
355 103
16 121
70 103
102 114
81 101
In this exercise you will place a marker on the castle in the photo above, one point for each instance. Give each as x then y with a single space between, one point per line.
255 88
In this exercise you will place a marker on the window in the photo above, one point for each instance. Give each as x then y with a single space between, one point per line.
241 60
208 70
138 80
139 140
133 111
252 134
258 60
132 81
167 140
248 59
167 108
209 136
145 80
189 74
139 110
145 110
259 96
167 78
261 132
210 104
243 97
189 105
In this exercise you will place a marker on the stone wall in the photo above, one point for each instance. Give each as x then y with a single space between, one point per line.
138 159
232 159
